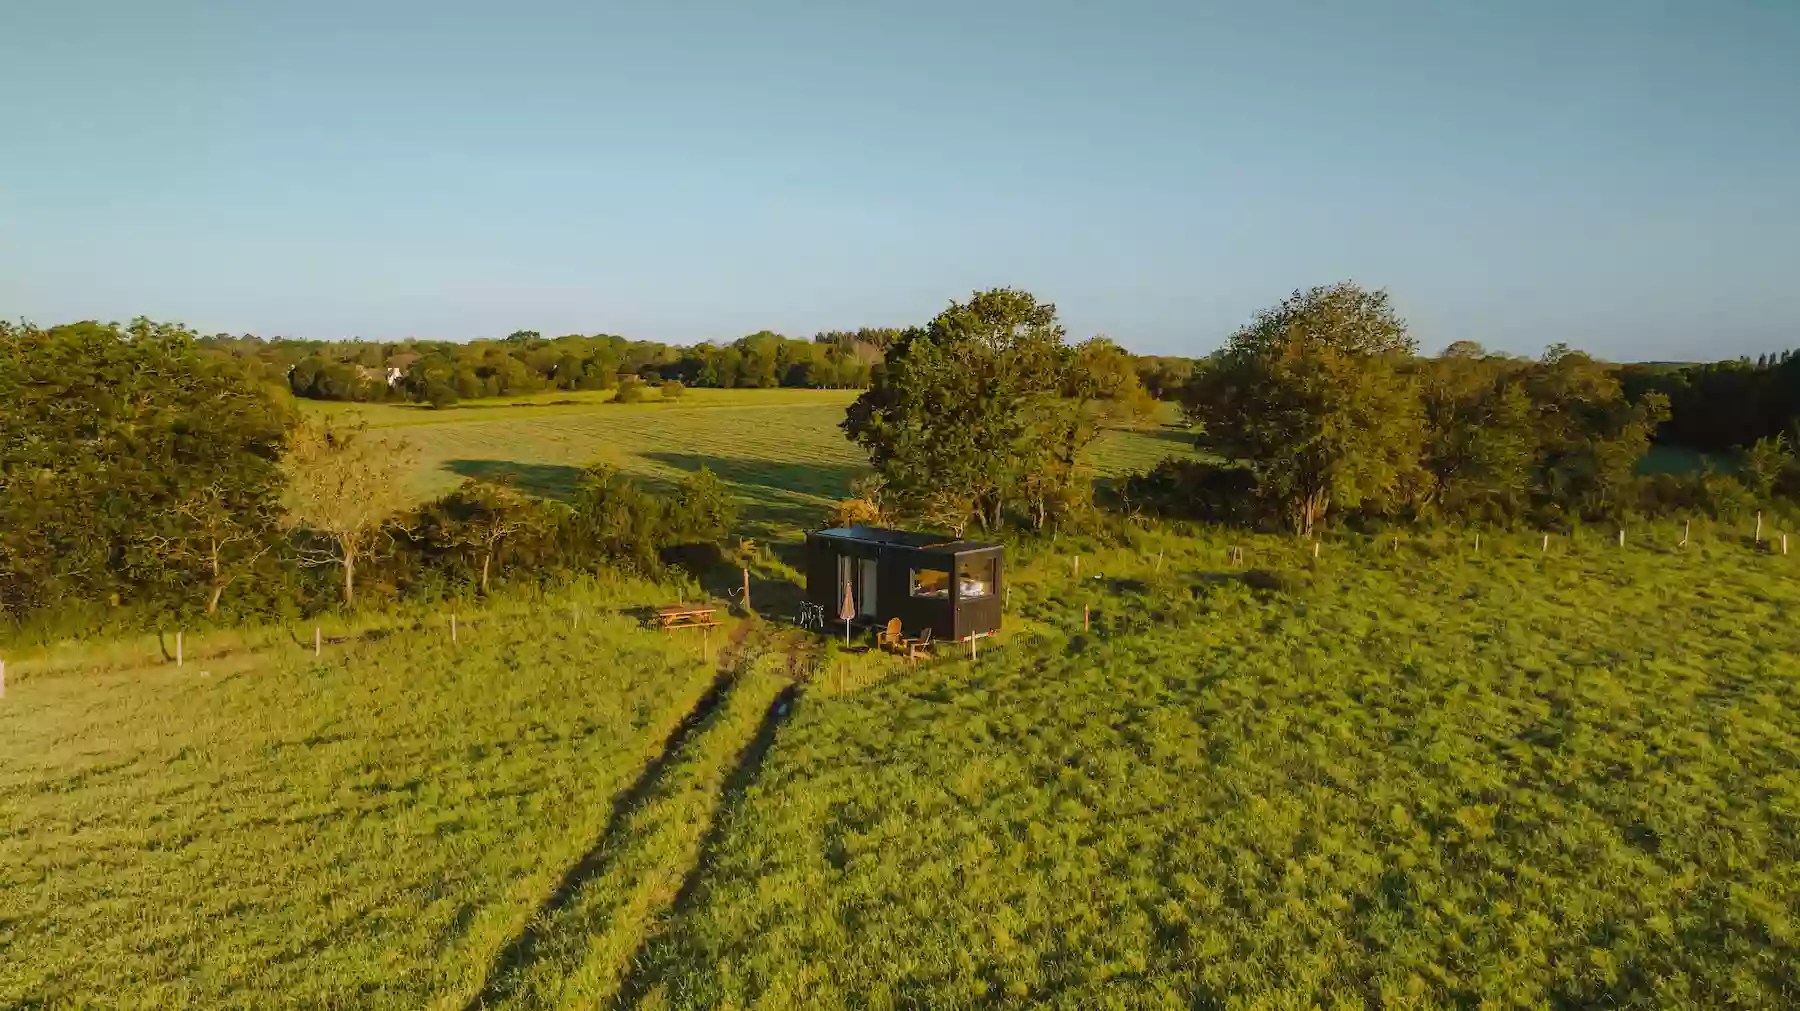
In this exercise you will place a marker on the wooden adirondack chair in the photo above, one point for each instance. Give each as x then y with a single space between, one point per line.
890 638
920 647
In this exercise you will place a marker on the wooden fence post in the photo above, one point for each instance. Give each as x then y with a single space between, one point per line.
178 647
1477 542
452 628
1759 528
1077 564
1084 617
1686 529
1621 537
315 641
1546 548
2 679
746 591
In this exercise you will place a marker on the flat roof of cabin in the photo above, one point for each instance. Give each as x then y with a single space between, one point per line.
906 539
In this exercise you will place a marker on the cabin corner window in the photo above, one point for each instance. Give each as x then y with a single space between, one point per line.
975 577
933 583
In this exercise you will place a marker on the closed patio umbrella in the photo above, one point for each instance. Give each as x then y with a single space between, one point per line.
846 611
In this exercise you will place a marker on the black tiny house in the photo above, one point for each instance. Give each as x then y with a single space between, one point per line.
927 581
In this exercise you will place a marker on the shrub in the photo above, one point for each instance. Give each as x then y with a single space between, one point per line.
631 391
440 394
673 389
1277 580
1191 489
614 520
702 512
856 512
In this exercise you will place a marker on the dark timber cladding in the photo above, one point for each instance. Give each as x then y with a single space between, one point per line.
928 581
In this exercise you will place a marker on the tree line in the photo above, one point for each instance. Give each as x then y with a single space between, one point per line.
442 373
145 475
1722 407
146 471
1318 411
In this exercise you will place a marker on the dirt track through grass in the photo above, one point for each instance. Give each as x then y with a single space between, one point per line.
1431 778
370 829
581 947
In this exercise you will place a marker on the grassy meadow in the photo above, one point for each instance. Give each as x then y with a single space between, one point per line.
1399 774
370 828
780 451
1424 778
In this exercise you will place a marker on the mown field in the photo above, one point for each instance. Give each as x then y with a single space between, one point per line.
780 450
1394 775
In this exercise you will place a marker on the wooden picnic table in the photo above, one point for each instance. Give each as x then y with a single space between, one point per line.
685 616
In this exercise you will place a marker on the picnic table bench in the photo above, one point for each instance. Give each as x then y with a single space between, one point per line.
685 616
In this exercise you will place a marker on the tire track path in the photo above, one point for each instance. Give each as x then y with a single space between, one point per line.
580 947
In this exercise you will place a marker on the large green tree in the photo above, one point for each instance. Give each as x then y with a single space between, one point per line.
1314 397
1590 436
949 420
135 467
1481 440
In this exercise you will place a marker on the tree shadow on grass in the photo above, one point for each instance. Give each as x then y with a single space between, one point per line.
824 480
777 497
545 480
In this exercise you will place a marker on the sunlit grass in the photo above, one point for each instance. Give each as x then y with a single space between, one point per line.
1422 778
1409 773
781 451
367 829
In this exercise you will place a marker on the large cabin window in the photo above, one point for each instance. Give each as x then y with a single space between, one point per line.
932 583
975 577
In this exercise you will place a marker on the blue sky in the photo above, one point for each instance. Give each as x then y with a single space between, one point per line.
1620 175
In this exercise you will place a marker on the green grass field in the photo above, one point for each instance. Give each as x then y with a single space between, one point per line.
1395 776
1427 779
780 451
